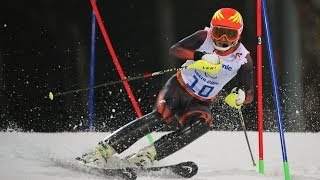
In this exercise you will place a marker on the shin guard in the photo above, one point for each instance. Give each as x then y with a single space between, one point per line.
175 141
127 135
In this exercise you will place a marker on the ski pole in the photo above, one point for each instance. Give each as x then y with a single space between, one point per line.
245 133
200 64
147 75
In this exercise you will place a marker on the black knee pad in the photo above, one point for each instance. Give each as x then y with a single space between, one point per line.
194 115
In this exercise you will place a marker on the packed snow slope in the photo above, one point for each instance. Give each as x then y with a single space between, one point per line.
219 155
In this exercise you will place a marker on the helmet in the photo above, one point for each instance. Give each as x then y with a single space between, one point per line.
228 23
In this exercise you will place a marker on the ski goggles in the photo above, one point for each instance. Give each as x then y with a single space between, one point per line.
230 34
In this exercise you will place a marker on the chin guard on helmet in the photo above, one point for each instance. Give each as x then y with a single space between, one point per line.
224 48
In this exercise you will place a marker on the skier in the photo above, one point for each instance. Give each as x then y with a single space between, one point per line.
188 94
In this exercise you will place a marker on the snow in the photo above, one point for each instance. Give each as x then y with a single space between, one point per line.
219 155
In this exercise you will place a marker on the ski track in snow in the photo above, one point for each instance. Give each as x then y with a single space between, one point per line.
219 155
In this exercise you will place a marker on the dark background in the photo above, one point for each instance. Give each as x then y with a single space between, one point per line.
45 46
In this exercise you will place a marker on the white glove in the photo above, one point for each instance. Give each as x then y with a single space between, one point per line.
211 58
241 96
236 98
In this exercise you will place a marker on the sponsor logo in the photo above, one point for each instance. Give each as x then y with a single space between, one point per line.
227 67
188 168
237 55
208 75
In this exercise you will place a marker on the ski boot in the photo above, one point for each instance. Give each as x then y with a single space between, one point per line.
99 156
144 158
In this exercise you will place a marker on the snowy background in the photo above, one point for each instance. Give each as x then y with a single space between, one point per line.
219 155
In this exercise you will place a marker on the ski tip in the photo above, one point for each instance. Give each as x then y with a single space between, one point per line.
186 169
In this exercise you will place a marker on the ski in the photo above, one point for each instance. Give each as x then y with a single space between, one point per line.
184 169
125 173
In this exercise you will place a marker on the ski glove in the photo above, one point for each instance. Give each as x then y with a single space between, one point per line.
236 98
209 63
205 66
211 58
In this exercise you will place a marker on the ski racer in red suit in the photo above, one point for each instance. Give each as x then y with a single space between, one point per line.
188 94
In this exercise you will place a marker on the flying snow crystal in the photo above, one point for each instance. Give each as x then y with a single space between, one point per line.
162 101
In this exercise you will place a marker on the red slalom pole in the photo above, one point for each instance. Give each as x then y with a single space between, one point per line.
259 85
116 61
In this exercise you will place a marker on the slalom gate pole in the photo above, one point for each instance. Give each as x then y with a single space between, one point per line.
276 93
259 86
117 64
92 77
245 134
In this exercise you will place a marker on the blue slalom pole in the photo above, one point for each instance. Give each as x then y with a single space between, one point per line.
92 70
276 92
